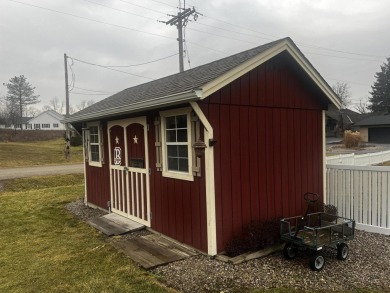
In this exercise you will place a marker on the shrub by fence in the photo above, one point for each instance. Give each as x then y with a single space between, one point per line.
29 135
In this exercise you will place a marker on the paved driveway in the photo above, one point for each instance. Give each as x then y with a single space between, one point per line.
11 173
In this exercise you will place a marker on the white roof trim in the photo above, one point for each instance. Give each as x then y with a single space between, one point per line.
180 98
261 58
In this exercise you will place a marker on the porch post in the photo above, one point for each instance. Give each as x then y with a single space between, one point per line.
324 155
210 183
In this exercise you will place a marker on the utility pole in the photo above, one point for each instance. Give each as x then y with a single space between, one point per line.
181 20
67 135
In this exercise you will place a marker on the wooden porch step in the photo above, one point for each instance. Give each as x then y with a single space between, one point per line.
152 250
113 224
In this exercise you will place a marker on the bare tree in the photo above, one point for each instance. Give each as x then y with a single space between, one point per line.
362 107
56 105
72 110
11 110
342 90
46 108
32 111
84 104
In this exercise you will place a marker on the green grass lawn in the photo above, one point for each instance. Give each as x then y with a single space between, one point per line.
44 248
23 154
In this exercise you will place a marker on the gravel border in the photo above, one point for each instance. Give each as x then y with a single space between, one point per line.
367 267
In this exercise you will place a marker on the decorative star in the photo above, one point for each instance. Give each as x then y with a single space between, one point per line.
135 139
116 140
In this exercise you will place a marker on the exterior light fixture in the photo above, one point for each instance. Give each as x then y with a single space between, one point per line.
199 147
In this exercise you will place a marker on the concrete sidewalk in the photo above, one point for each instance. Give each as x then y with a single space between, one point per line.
12 173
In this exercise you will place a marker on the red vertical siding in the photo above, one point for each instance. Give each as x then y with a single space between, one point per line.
268 127
178 206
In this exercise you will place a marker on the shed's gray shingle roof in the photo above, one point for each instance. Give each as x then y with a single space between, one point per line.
173 84
375 120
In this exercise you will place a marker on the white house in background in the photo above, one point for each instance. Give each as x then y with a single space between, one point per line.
24 124
48 120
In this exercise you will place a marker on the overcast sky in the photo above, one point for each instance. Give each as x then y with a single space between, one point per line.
345 40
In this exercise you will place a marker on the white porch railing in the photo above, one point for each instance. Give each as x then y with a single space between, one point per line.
361 193
359 160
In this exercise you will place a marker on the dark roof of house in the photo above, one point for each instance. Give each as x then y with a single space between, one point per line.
25 120
158 92
375 120
349 116
52 113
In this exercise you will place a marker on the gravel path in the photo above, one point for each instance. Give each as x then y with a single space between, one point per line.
367 267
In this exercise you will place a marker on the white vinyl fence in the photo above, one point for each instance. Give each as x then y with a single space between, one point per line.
361 193
359 160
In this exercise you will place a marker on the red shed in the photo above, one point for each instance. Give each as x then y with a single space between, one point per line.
261 116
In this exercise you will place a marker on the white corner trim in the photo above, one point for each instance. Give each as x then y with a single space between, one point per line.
202 117
324 155
210 183
85 169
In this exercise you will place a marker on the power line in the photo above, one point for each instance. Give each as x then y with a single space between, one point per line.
225 37
133 65
88 90
71 86
120 10
147 8
139 64
341 57
93 20
299 43
163 3
236 32
187 54
110 24
85 94
93 64
335 79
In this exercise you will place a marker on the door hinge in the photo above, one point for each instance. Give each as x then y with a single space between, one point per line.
151 215
150 171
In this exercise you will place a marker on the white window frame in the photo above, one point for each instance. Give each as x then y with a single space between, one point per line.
56 125
45 125
90 162
37 126
169 173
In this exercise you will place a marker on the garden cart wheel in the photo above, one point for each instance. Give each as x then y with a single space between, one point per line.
342 251
289 251
317 261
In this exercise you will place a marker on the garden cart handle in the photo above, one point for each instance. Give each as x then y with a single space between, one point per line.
310 198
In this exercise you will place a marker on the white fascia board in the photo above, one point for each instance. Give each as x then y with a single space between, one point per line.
314 75
263 57
189 96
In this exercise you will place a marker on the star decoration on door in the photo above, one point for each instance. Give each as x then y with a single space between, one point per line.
117 140
135 138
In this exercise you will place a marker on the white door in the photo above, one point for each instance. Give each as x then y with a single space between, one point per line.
129 169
